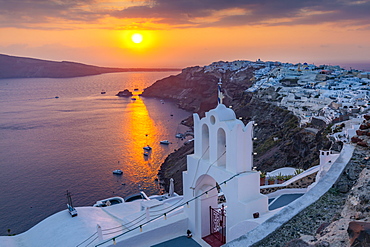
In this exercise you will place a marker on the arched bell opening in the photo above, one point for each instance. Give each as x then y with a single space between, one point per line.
205 142
221 147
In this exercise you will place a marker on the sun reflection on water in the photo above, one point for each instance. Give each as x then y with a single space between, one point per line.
141 128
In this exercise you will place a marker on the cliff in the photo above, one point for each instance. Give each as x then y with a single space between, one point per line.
195 88
23 67
280 141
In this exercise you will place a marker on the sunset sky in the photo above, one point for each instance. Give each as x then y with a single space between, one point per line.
182 33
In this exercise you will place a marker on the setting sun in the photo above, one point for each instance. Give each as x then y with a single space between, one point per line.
137 42
137 38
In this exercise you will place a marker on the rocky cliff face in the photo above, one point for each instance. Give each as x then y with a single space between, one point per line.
280 141
173 166
195 89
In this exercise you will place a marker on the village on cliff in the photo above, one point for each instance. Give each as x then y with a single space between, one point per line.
323 94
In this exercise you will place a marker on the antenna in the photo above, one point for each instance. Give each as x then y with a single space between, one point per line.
69 198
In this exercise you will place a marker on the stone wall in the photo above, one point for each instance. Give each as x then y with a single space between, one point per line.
363 134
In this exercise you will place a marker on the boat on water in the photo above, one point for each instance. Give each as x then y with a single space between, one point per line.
179 135
102 92
165 142
118 172
136 89
147 148
133 98
109 202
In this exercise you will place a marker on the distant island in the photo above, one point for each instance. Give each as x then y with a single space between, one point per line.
24 67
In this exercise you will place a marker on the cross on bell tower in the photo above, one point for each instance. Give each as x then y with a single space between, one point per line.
220 94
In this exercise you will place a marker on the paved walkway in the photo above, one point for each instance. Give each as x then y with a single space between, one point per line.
179 242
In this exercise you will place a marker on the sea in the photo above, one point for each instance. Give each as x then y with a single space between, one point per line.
365 66
70 134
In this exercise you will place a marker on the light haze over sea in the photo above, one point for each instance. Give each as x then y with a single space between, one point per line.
359 65
49 145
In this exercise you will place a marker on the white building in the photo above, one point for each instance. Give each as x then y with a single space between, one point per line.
222 155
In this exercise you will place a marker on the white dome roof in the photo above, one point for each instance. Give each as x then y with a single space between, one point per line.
222 113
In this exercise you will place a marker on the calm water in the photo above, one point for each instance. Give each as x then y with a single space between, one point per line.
49 145
359 66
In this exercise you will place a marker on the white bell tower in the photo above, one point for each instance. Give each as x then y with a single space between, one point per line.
223 151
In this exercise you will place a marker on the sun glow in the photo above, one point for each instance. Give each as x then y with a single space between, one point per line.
137 38
137 42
